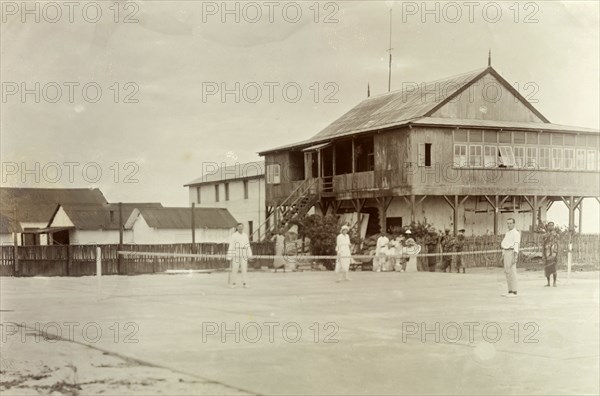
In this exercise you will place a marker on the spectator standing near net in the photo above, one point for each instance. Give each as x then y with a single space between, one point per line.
510 253
279 239
459 246
550 252
431 241
447 246
238 253
411 250
380 248
342 247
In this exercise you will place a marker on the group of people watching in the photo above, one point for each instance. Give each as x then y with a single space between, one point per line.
404 244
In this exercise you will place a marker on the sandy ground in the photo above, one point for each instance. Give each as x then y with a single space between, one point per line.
300 333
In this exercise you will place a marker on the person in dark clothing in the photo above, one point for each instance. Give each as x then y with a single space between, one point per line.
432 240
550 253
447 246
458 246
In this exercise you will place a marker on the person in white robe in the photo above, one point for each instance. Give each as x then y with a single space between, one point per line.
411 250
342 248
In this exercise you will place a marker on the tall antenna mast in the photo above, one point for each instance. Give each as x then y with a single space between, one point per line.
390 50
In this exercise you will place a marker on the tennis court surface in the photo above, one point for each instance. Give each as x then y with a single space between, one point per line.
301 333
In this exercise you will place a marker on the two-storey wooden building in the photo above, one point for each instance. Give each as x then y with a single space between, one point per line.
462 152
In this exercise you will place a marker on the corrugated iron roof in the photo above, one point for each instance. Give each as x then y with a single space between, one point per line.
230 172
8 225
414 105
180 218
37 205
101 217
391 108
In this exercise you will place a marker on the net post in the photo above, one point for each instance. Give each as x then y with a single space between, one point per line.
98 270
569 260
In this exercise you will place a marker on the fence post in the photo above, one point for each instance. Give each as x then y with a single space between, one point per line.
98 262
98 271
569 259
69 259
15 243
119 257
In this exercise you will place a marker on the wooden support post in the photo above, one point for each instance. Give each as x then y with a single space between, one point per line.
15 243
412 208
496 215
571 213
120 257
69 260
335 205
353 158
333 158
319 164
193 225
455 216
580 216
494 206
455 204
382 205
534 210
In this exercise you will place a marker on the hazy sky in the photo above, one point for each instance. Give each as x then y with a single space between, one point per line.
173 52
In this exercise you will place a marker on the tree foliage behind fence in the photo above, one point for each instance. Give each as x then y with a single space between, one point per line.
79 260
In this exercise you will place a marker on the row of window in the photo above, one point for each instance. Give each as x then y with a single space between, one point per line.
218 190
516 138
558 158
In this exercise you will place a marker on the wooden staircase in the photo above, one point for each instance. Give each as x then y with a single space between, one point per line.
294 207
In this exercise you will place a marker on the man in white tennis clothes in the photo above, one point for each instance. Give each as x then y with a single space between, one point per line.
510 252
238 253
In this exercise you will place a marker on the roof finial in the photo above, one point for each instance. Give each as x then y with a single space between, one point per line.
368 90
490 58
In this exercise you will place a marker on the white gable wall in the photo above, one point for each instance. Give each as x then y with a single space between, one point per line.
488 99
143 234
61 219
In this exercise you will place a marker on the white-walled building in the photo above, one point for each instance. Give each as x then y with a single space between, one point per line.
34 207
174 225
239 188
91 224
8 226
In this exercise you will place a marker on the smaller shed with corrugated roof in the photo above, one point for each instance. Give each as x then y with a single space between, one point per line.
174 225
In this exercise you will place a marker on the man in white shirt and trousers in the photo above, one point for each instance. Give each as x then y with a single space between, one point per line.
510 252
238 253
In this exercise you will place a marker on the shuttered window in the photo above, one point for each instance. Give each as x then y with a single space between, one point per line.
507 157
544 160
591 160
520 157
273 174
557 158
460 155
581 159
532 157
490 156
569 158
475 159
